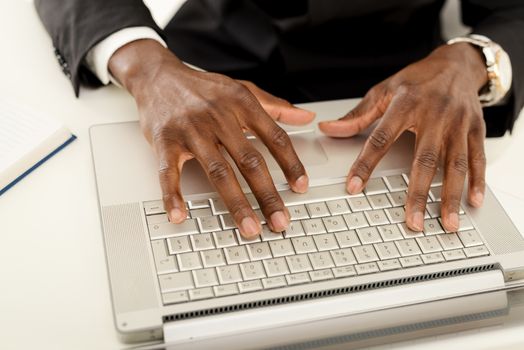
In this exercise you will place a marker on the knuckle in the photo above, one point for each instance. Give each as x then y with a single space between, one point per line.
460 163
380 138
250 160
427 159
218 170
279 137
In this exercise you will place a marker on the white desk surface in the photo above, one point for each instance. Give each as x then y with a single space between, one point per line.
53 284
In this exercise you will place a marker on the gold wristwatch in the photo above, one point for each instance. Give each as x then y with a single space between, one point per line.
498 66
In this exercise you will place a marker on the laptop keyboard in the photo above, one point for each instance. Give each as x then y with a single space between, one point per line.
332 235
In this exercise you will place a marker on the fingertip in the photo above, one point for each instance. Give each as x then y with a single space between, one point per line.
296 116
250 228
337 128
177 216
451 222
476 198
355 184
301 184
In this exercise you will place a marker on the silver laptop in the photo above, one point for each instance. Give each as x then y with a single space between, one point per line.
342 255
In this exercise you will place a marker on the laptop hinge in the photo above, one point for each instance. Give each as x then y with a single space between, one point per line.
240 322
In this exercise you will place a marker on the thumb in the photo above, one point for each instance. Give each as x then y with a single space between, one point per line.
369 109
278 108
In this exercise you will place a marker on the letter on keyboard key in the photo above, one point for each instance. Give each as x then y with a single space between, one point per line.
274 282
470 238
355 220
229 274
321 275
387 250
298 212
276 267
321 260
225 238
205 277
389 232
347 239
168 229
343 257
298 263
368 235
281 247
294 229
154 207
317 210
375 185
213 258
358 204
396 183
313 226
202 293
189 261
432 227
376 217
429 244
175 297
174 282
473 252
178 245
396 215
226 289
365 253
164 263
325 241
363 269
410 261
456 254
337 207
345 271
202 241
303 245
208 224
387 265
259 251
298 278
432 258
334 224
250 286
252 270
398 199
449 241
408 247
379 201
236 255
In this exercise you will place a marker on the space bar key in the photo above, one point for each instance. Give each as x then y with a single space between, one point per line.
315 194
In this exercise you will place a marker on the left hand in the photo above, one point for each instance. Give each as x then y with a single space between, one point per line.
437 99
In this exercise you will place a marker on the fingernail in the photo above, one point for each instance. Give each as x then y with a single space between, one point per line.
279 221
301 184
176 216
477 199
453 222
355 185
417 220
249 227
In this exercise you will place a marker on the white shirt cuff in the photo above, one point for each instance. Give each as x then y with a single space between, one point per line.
97 58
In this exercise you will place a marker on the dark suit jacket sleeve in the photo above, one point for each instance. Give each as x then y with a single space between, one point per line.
503 22
75 26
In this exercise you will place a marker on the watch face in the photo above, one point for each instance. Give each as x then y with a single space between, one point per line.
504 69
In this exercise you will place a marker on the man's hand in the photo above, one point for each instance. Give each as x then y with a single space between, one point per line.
188 114
437 99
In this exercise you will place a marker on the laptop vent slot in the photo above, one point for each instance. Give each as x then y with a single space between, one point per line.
327 293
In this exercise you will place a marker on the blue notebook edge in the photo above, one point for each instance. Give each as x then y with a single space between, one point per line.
37 164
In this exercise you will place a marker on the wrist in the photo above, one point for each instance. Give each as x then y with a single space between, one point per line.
138 62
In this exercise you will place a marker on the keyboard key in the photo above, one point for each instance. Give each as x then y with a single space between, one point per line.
449 241
473 252
387 265
249 286
229 274
355 220
268 235
199 213
274 282
243 240
202 241
175 297
358 204
212 258
178 245
163 261
298 263
408 233
157 219
313 226
368 235
304 245
225 238
387 250
174 282
451 255
363 269
205 277
432 227
227 221
396 215
379 201
236 255
154 207
281 247
276 267
321 275
343 257
198 204
260 216
410 261
375 185
434 209
168 229
470 238
432 258
252 270
437 179
436 193
298 278
334 224
365 253
298 212
189 261
338 207
465 223
408 247
398 199
208 223
321 260
259 251
252 200
376 217
218 206
344 271
325 241
317 210
225 290
294 229
389 232
347 239
396 183
429 244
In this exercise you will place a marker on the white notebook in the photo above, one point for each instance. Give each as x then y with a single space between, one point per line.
27 139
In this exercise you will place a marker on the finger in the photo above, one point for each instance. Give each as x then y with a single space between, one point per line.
279 144
279 109
477 165
171 161
253 167
455 170
423 168
376 146
370 108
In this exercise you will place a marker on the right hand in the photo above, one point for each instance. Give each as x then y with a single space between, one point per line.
187 114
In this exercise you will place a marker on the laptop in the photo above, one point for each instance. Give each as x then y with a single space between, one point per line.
342 254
